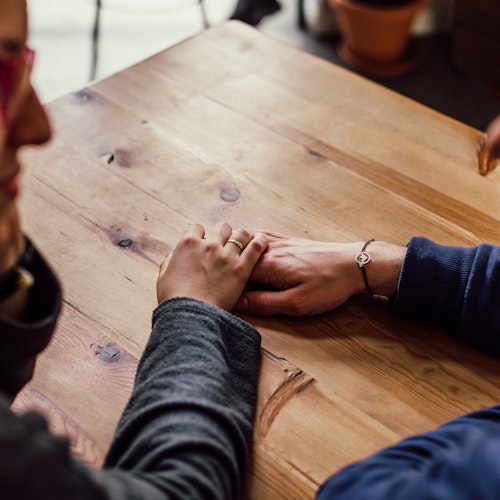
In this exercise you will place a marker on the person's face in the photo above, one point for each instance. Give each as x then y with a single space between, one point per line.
22 118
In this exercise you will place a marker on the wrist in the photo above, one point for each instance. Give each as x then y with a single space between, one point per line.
382 267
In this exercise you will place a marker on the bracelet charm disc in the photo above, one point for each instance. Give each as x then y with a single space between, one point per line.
362 258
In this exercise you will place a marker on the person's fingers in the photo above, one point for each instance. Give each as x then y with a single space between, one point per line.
490 149
270 235
238 240
254 249
164 263
486 160
195 230
493 137
267 303
265 271
221 232
275 235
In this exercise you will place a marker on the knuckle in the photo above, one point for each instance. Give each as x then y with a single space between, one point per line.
225 225
189 240
244 234
211 246
258 244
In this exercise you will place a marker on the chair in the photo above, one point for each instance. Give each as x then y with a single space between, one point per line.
96 33
301 16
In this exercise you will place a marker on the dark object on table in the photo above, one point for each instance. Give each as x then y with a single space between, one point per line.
252 11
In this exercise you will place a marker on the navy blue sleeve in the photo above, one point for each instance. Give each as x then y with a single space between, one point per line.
455 287
458 461
458 288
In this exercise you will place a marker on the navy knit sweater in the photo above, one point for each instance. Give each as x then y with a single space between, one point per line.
458 288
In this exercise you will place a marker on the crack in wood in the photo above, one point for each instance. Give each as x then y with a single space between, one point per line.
296 380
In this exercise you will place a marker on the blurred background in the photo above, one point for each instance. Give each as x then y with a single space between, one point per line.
61 31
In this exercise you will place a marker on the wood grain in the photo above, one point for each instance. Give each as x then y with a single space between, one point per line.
232 125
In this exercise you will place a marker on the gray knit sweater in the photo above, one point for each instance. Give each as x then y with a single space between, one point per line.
185 433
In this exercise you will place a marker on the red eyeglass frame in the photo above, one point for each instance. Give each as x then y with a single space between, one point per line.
11 74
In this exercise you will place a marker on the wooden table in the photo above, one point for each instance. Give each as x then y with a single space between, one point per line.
231 125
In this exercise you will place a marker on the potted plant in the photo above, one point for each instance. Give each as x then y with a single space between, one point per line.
376 35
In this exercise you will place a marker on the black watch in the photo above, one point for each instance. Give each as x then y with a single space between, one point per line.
19 277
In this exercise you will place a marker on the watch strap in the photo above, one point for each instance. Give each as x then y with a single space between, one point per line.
20 276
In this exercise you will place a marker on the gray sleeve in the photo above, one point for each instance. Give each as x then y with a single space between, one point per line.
187 428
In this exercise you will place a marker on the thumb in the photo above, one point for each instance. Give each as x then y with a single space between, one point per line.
493 137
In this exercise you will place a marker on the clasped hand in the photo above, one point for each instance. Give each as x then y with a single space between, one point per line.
206 266
301 277
294 276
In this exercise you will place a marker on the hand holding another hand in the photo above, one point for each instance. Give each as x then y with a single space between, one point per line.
301 277
305 277
209 267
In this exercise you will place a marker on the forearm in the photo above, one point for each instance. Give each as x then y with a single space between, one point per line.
455 287
452 286
188 426
383 270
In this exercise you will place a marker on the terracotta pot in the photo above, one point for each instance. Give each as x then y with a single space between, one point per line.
377 39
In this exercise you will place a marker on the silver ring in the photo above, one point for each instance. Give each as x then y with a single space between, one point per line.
236 242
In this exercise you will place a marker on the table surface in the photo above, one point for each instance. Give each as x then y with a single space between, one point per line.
232 125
